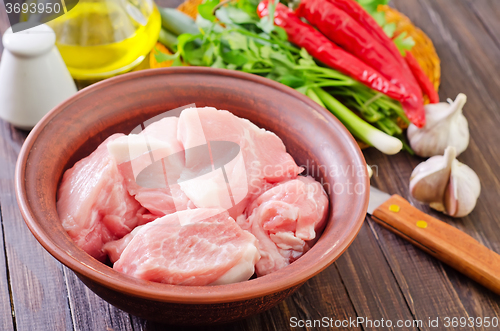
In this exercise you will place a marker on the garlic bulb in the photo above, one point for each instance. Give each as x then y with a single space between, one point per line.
446 184
445 126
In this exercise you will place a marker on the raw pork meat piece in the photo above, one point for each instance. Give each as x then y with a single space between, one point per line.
192 247
285 219
94 205
115 248
157 149
261 159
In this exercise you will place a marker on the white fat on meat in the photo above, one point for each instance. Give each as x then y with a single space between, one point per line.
262 159
286 220
94 205
192 247
151 163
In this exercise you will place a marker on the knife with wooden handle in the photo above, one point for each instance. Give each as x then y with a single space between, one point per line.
441 240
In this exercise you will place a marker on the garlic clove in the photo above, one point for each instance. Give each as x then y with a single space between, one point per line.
445 126
446 184
429 179
450 203
462 191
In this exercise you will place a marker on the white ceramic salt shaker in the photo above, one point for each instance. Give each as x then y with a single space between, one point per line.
33 76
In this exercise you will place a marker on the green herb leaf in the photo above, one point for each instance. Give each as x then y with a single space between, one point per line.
185 38
379 17
292 81
219 63
189 47
281 33
223 15
254 3
306 59
282 58
248 66
237 41
253 48
194 55
389 29
371 5
404 43
239 16
265 51
206 9
162 57
206 25
208 55
235 57
177 63
267 22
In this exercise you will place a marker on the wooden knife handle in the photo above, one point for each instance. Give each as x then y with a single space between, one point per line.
441 240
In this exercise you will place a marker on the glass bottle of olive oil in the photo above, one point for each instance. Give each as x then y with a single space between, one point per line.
102 38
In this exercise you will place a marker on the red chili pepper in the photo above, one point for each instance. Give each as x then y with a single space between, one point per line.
344 31
422 78
333 56
304 35
358 13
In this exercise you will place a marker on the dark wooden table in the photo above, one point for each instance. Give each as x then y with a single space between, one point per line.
379 277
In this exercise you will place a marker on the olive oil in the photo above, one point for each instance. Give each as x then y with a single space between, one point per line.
103 38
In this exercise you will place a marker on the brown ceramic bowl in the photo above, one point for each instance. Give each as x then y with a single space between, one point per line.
72 130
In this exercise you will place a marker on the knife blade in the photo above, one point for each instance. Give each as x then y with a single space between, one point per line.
439 239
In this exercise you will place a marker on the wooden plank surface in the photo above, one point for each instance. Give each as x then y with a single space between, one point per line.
6 312
379 276
39 295
89 312
370 282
